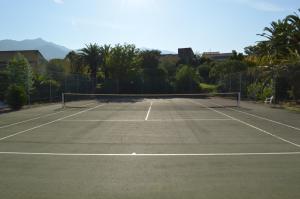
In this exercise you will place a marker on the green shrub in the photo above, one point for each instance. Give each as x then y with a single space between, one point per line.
4 83
187 80
16 97
208 88
258 91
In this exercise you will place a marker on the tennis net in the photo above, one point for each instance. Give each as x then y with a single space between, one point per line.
79 100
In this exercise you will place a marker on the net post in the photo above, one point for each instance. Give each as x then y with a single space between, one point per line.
63 100
239 99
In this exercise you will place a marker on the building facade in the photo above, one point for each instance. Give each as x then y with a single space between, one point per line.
34 57
217 56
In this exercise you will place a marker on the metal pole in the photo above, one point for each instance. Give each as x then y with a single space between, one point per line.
63 100
28 89
50 91
239 99
240 82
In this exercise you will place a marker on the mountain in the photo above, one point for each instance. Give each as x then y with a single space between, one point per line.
48 49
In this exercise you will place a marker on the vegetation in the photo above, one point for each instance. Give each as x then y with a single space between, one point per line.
279 54
16 97
270 67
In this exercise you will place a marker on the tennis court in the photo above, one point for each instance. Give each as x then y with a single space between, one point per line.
152 147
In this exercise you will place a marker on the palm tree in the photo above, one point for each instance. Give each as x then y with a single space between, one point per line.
294 35
106 52
76 62
92 56
277 38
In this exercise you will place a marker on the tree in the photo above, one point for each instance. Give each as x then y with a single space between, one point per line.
204 70
92 56
20 73
124 66
237 56
4 83
187 80
16 96
56 70
76 62
154 75
227 67
105 52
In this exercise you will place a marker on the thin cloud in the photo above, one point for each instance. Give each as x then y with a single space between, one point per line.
59 1
266 6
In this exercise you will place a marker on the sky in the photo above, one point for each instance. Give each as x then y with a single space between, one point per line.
204 25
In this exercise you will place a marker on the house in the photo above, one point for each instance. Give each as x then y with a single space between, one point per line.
186 55
34 57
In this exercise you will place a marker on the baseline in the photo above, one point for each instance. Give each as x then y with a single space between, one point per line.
150 154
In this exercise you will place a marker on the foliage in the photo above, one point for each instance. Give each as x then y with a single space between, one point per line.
91 56
279 53
16 97
76 63
204 71
227 67
45 89
122 61
259 91
56 69
20 72
4 83
187 80
208 88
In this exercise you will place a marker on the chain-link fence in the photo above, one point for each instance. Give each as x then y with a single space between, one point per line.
48 88
256 86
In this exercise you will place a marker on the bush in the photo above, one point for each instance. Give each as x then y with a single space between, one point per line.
258 91
16 97
208 88
187 80
4 83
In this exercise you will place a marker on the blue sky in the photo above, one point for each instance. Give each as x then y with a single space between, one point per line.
204 25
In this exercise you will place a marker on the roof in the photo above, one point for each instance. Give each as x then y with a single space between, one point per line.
20 51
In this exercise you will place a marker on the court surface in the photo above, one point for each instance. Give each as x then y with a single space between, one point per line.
151 148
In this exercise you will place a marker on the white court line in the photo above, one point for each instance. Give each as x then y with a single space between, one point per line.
150 154
263 118
59 119
257 128
32 119
102 121
153 120
148 113
35 118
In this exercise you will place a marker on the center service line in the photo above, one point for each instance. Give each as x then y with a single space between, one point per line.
148 113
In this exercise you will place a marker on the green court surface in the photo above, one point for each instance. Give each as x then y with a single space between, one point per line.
151 148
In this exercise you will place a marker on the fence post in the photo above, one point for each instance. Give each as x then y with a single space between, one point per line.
63 100
50 87
240 83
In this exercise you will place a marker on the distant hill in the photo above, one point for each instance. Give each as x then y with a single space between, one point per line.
48 49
